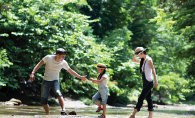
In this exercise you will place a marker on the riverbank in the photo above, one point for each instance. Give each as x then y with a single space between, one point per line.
89 112
85 111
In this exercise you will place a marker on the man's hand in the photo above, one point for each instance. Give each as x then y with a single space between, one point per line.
84 78
91 79
32 77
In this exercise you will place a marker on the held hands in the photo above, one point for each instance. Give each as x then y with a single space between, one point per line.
91 79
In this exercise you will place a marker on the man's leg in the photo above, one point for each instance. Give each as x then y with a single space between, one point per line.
45 88
46 107
56 90
61 101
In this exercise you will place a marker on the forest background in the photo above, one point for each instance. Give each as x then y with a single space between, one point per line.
98 31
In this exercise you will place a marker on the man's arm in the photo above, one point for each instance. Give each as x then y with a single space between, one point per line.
72 72
32 77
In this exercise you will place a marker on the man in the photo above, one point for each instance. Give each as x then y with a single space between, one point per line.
54 63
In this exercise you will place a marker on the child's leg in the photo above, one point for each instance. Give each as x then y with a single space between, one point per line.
104 109
95 98
98 103
104 96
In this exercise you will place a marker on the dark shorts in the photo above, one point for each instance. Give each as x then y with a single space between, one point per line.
45 89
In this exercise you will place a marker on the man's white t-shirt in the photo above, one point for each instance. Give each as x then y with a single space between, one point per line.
105 80
52 68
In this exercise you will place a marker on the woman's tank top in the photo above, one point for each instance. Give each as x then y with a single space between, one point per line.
147 69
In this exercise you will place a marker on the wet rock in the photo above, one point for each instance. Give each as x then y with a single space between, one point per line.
146 105
12 102
8 103
130 105
18 102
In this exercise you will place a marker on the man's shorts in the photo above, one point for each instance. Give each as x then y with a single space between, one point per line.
45 89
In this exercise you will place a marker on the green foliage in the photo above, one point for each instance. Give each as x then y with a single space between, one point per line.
4 63
172 87
99 31
87 101
143 30
164 46
33 29
181 13
112 14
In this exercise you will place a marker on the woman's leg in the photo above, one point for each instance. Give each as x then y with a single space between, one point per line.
150 114
133 113
150 104
144 93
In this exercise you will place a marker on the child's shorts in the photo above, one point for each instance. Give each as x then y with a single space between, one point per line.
103 93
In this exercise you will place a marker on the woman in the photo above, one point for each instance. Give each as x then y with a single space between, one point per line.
147 69
103 89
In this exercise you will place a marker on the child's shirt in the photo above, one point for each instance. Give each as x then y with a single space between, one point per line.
105 80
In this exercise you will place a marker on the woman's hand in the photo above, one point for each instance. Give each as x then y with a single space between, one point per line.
156 84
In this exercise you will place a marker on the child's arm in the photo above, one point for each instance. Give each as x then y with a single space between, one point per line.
97 81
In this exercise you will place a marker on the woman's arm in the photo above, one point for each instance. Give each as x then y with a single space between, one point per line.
135 60
154 72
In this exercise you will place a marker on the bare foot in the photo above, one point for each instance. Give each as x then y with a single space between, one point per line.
131 116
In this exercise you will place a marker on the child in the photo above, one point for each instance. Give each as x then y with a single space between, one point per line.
103 89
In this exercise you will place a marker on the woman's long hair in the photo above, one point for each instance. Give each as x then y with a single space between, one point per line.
142 61
101 74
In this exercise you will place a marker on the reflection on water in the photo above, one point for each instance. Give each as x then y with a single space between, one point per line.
89 112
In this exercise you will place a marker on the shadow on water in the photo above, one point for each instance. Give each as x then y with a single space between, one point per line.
89 112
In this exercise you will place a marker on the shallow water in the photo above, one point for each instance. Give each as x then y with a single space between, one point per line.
89 112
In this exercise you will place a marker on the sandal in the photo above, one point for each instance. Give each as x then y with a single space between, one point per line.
99 109
102 116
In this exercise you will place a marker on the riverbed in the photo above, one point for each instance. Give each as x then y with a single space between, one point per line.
175 111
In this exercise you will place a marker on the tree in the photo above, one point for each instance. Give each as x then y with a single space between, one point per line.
32 29
182 12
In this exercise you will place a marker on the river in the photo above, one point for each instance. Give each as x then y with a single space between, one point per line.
180 111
